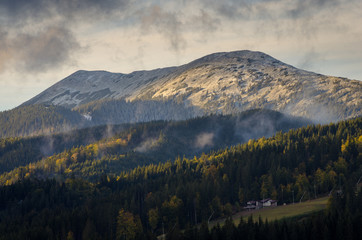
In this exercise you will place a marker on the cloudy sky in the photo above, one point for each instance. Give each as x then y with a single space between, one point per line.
43 41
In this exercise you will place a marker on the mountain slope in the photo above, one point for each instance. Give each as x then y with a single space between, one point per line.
219 83
83 87
38 120
112 149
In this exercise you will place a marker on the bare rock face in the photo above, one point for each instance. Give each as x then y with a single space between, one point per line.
224 83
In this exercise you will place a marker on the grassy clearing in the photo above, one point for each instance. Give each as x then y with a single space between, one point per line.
279 212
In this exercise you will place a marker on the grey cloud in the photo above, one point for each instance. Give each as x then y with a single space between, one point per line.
5 53
303 8
253 9
265 9
205 22
35 10
173 24
39 51
166 23
305 19
36 35
54 46
228 9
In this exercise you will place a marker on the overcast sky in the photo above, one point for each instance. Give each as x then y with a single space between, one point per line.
43 41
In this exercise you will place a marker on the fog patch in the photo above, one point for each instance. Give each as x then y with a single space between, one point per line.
255 126
147 145
109 132
47 147
204 140
322 114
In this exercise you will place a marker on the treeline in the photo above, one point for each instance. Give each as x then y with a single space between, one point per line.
35 120
91 152
150 200
38 120
122 111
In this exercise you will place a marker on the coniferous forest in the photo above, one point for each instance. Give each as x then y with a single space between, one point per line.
88 153
178 196
144 120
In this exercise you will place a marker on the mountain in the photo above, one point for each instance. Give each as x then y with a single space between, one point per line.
220 83
144 178
227 82
86 86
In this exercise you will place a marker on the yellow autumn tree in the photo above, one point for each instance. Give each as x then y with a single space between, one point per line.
128 226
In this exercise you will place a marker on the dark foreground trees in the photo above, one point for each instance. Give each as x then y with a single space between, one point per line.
174 197
341 220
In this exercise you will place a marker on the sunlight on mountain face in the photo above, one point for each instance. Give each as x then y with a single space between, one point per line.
167 129
218 83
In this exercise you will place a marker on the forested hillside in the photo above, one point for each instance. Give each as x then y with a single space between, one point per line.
38 120
89 153
141 203
35 120
121 111
17 151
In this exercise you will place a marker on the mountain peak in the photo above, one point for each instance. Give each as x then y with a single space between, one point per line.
235 56
224 82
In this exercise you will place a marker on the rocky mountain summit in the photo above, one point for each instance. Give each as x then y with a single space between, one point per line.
226 82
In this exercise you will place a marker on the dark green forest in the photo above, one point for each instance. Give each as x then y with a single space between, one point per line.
141 110
176 196
111 149
38 120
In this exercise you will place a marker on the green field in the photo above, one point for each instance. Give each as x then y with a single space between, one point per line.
276 213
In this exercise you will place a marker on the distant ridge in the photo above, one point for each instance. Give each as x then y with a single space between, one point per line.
226 82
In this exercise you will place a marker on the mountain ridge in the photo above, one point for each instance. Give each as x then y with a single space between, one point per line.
225 82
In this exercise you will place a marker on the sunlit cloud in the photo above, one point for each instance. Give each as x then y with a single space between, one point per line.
46 40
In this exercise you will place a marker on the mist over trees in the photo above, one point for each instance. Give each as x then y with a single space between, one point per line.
177 195
112 149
